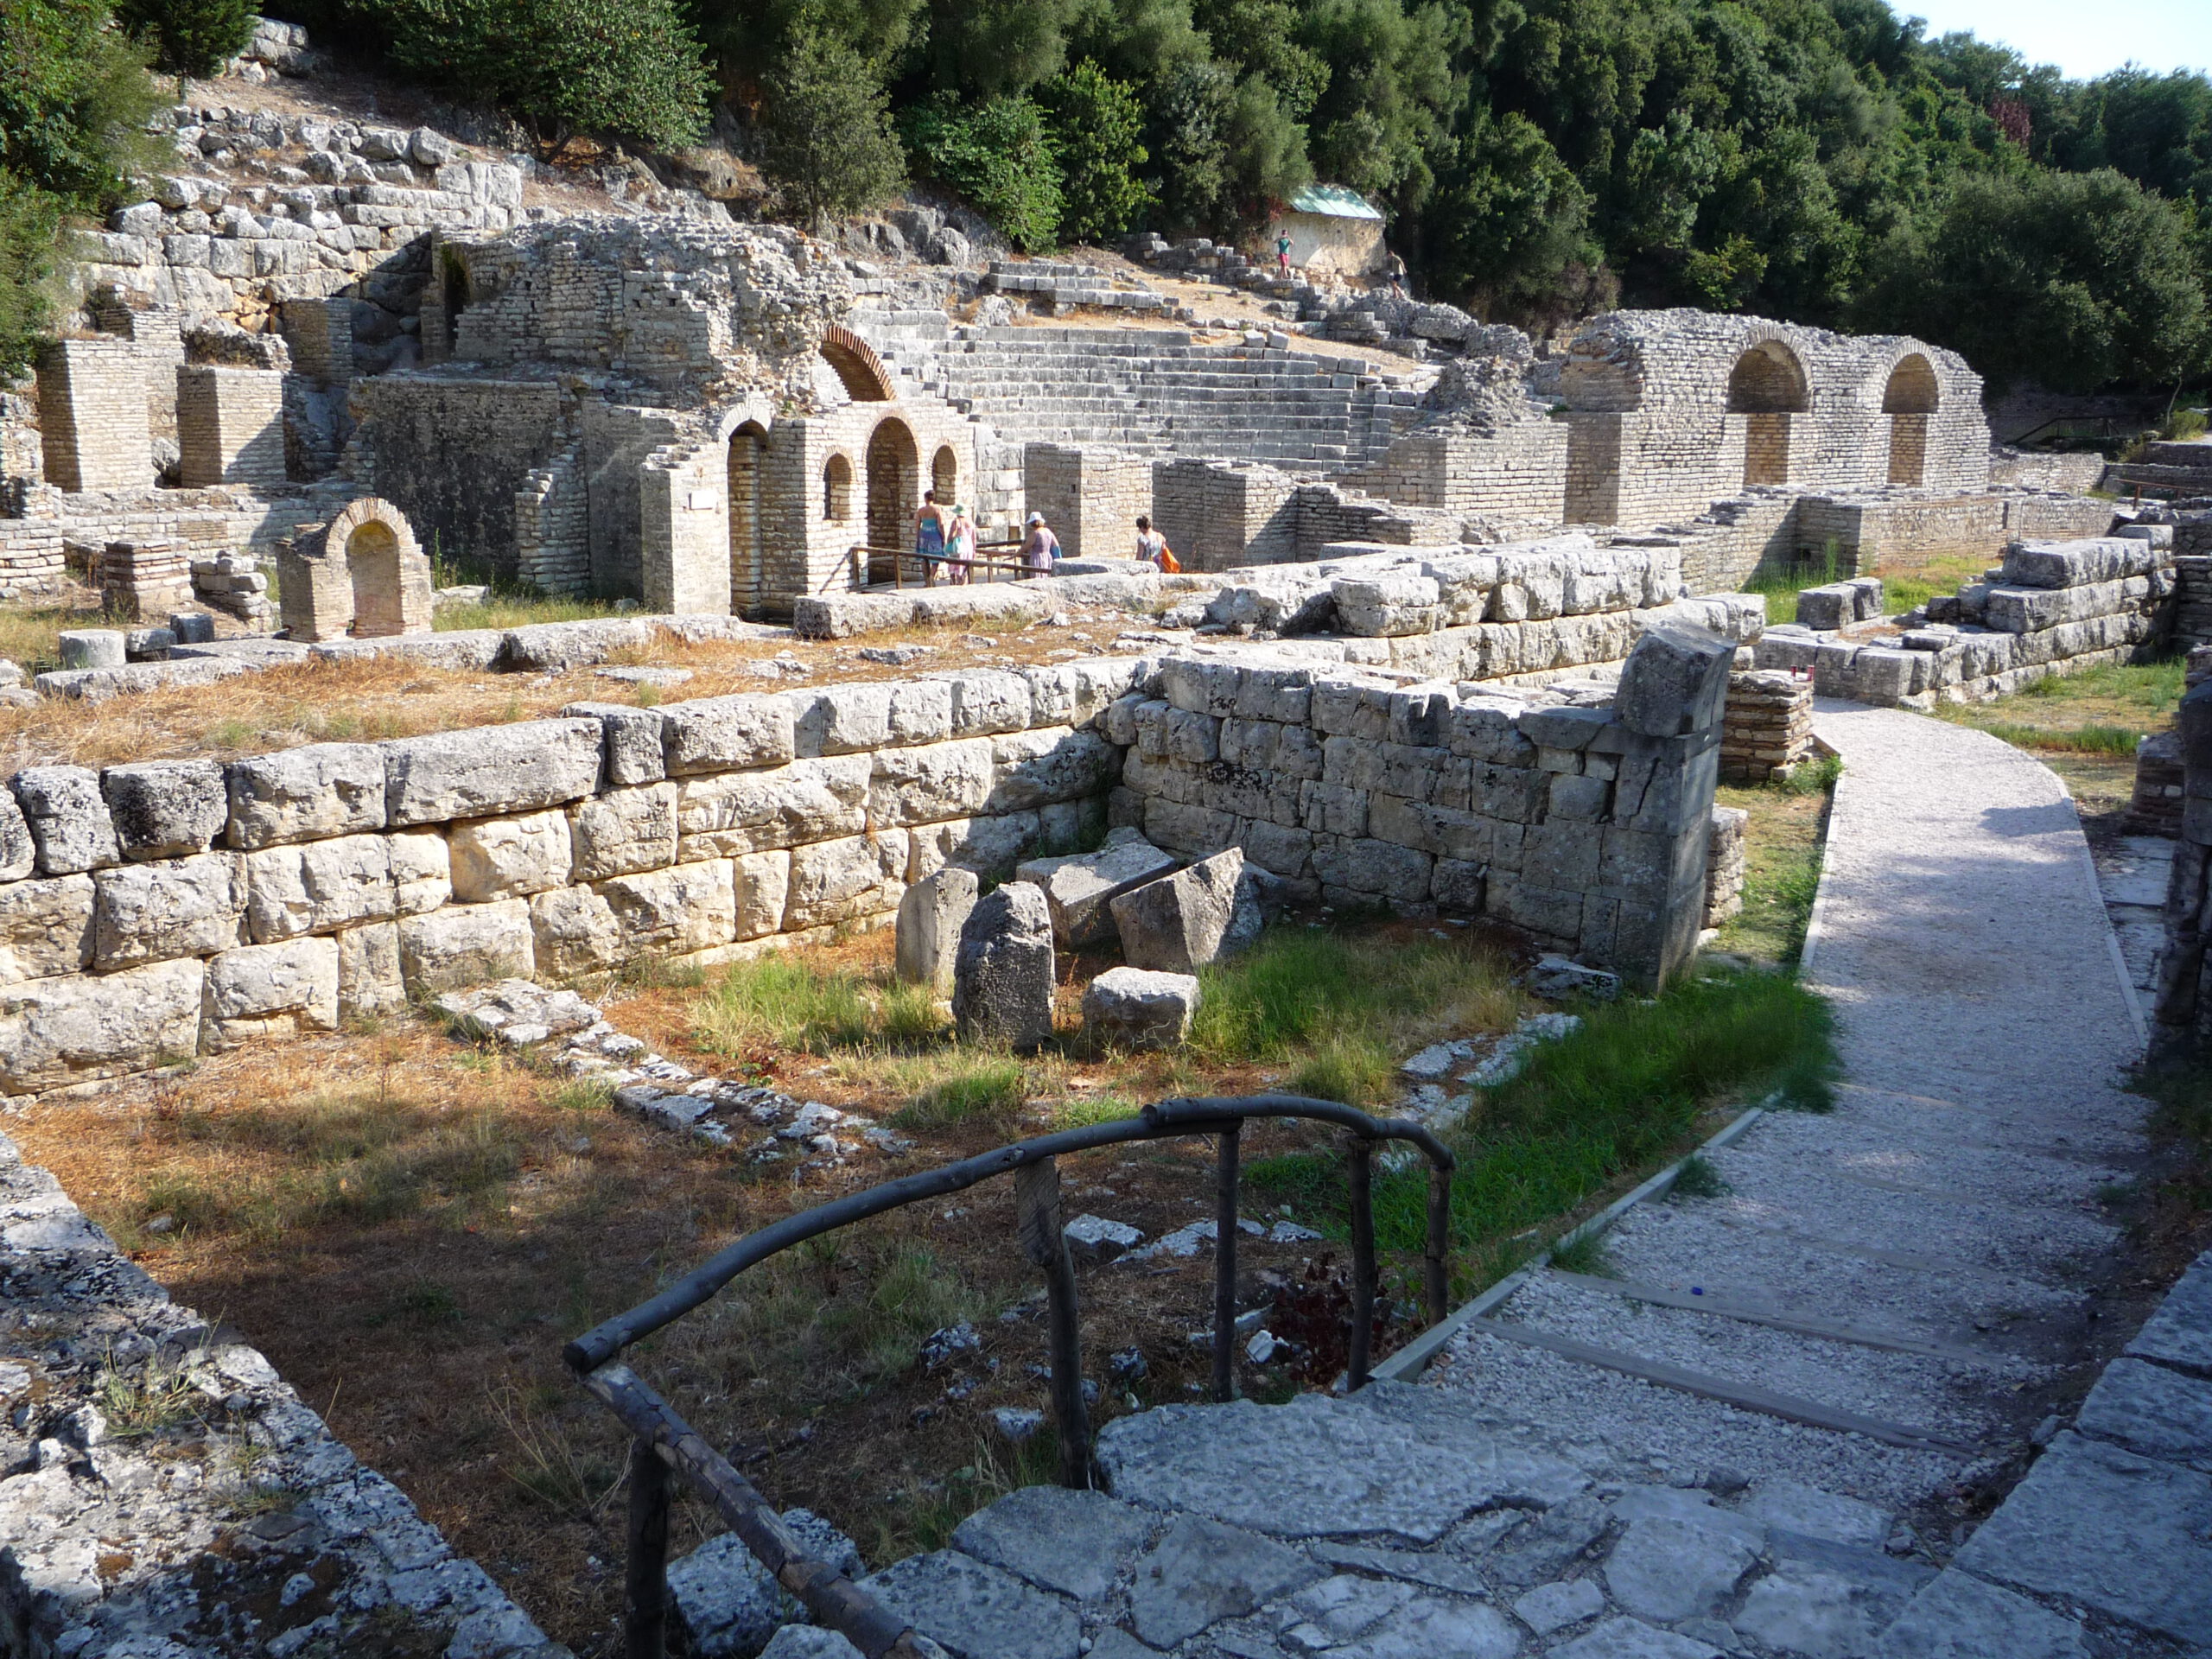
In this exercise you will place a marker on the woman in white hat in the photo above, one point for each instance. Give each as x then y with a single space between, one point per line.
1040 548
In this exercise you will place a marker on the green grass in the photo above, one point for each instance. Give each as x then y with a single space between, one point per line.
1698 1178
980 1089
2101 710
2086 740
1355 1070
1779 585
779 1002
1334 1001
1585 1254
1608 1100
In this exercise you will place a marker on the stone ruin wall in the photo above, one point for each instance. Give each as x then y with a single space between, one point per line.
163 908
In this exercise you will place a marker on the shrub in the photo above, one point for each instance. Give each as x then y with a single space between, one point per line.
631 67
825 137
1000 157
1095 124
191 37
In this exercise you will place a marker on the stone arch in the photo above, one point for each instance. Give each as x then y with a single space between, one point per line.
1909 399
363 572
1767 387
747 531
893 483
945 473
838 489
865 378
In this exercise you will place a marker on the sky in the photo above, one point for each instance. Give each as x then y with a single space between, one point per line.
2082 40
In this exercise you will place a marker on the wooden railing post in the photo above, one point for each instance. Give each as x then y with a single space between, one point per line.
644 1574
1224 1263
1037 1219
1362 1259
1436 1257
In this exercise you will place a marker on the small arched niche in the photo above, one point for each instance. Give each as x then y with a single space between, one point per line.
1767 386
836 489
945 474
893 483
1910 400
748 533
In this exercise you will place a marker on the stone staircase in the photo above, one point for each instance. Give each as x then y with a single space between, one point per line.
1066 286
2179 470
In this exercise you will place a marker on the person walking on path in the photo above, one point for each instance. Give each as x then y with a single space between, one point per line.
929 537
960 546
1397 269
1282 252
1040 549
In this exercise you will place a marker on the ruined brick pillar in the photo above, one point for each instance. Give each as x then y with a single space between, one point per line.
229 426
92 415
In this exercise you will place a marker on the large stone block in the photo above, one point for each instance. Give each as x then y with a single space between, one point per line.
306 794
1674 681
840 880
467 945
1033 769
763 892
67 816
741 812
369 983
46 928
422 874
624 831
852 719
489 770
727 733
633 749
271 990
318 886
674 911
509 858
1132 1008
1003 978
1080 888
575 930
931 916
184 907
1176 925
930 785
18 852
986 701
989 845
166 809
84 1026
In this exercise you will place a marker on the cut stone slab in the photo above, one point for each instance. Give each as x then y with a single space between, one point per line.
1393 1458
1432 1625
1670 1570
1800 1610
729 1602
977 1612
2127 1535
1631 1638
1003 975
1177 924
2180 1332
1347 1607
1795 1507
2147 1408
1959 1617
1132 1008
1550 1543
1202 1573
166 809
1074 1543
1098 1238
1080 889
1675 680
931 916
1554 1606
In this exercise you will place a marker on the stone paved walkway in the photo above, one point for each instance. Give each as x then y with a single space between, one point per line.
1718 1451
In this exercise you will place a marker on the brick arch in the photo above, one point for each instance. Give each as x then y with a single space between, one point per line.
865 378
1911 387
1769 379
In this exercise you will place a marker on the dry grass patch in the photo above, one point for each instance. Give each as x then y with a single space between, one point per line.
2085 727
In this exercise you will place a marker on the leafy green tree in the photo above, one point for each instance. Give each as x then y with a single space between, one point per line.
191 37
826 142
629 68
74 96
987 47
754 39
2072 280
999 156
1097 126
1508 222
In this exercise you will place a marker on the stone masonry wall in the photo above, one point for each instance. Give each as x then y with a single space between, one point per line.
92 413
1091 497
453 453
31 558
229 426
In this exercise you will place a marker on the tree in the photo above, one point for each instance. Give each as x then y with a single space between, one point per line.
191 37
999 156
825 138
1096 126
74 98
1508 220
630 68
2072 280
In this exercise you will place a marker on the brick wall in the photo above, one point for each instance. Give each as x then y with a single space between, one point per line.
452 452
229 426
91 410
1091 497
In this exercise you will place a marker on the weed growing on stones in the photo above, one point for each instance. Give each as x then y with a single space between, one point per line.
1697 1179
1586 1254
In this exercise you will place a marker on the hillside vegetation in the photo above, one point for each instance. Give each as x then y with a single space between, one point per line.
1815 159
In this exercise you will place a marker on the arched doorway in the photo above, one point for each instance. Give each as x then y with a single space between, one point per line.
865 378
1767 386
748 556
945 474
895 488
1910 400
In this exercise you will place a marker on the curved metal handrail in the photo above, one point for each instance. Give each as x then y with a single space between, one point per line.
663 1441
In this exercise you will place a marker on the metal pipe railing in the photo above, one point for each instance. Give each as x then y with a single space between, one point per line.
662 1442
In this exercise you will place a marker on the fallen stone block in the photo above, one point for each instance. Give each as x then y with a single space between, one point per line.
1133 1008
1003 975
1674 681
931 917
1080 889
1178 923
731 1606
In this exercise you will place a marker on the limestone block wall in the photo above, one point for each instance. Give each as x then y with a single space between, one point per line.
452 452
1362 791
1091 497
159 908
1516 475
553 526
617 440
92 413
207 521
229 426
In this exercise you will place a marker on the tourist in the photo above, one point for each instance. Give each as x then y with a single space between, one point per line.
1282 252
959 546
1151 547
1397 270
929 537
1040 549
